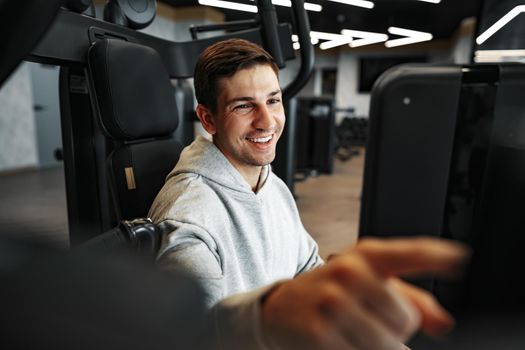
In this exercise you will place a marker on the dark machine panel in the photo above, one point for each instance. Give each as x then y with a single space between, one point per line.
451 163
412 121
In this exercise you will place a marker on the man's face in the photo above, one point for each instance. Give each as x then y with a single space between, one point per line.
249 118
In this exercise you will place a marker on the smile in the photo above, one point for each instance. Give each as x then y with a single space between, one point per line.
260 139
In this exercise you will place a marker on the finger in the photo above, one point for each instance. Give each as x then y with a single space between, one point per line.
414 256
360 328
388 305
435 320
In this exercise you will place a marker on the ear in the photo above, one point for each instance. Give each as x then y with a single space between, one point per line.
206 119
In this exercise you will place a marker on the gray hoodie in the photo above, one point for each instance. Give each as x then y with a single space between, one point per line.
231 238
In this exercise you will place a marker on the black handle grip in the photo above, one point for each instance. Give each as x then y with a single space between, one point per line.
307 50
270 35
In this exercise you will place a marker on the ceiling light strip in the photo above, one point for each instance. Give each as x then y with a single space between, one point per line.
484 56
229 5
502 22
359 3
307 5
412 37
336 42
365 38
499 53
313 40
432 1
325 36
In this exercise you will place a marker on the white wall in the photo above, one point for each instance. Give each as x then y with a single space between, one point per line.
17 122
346 93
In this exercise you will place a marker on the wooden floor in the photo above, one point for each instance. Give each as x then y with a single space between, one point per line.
34 205
329 205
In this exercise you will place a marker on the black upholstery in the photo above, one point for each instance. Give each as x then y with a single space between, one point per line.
135 101
135 97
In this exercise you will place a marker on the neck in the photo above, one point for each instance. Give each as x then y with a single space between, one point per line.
250 174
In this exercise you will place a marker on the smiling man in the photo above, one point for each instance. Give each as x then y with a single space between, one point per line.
238 227
238 230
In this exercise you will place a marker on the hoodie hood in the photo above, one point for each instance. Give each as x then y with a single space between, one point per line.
203 158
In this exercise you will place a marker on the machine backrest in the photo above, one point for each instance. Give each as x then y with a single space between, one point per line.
135 101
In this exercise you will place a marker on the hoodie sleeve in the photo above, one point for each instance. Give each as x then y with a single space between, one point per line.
235 322
190 249
309 257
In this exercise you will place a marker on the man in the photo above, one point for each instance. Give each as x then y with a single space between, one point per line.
239 231
238 225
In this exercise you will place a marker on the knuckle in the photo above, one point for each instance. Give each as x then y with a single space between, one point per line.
349 269
332 298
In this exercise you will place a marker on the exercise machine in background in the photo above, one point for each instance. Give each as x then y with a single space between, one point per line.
315 135
91 209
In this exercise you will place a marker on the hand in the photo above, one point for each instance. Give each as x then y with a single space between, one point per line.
356 301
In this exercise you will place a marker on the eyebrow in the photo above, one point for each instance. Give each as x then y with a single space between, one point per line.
248 98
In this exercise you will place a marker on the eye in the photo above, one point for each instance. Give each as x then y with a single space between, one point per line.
242 106
273 101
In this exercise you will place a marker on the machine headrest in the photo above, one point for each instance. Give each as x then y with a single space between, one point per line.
134 94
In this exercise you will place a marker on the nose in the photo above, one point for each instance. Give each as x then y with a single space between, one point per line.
265 120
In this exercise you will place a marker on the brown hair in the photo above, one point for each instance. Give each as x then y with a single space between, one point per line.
224 59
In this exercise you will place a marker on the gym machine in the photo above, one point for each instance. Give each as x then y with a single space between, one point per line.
74 30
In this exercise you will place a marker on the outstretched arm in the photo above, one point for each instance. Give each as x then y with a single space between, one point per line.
356 300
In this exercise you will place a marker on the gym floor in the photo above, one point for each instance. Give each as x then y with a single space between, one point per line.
34 204
330 204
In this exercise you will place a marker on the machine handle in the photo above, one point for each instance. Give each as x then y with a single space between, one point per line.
302 24
270 36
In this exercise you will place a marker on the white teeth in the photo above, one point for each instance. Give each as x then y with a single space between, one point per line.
262 139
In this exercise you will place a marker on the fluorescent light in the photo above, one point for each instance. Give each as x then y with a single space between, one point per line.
343 40
229 5
312 7
333 40
499 53
348 37
296 46
313 38
307 5
432 1
412 37
359 3
502 22
366 38
499 56
325 36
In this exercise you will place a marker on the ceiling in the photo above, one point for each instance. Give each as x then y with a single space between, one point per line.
441 20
